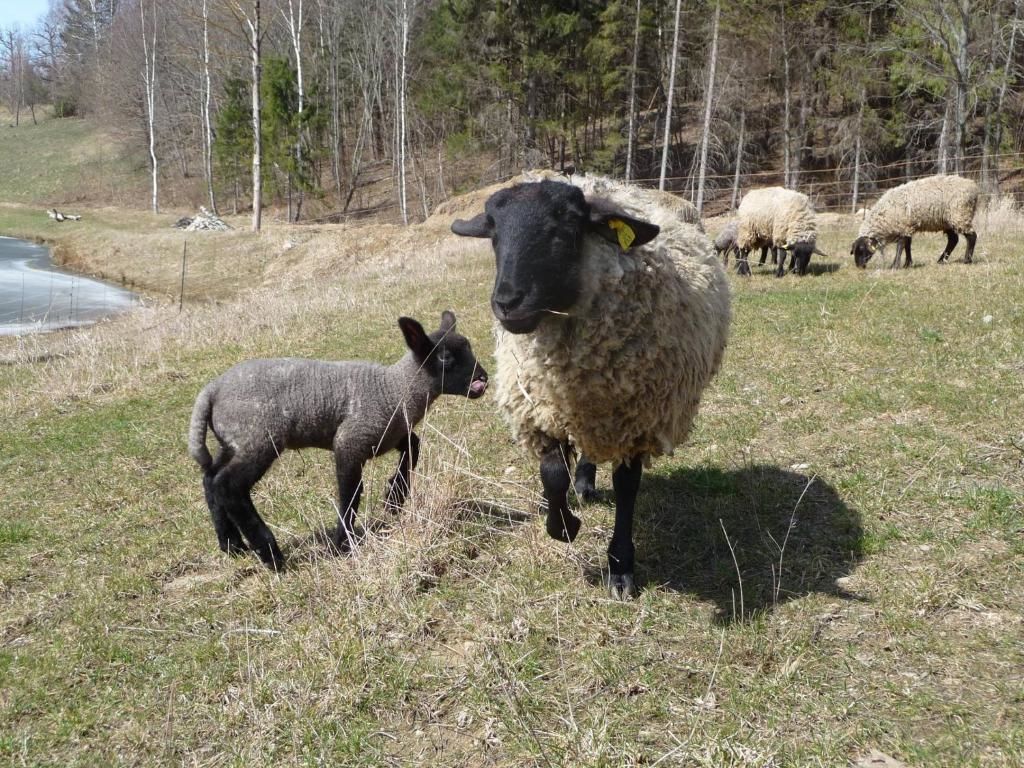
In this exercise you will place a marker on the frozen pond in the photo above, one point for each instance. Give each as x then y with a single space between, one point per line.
36 296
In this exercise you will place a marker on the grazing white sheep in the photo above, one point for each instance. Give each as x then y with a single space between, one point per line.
932 204
358 410
612 319
781 219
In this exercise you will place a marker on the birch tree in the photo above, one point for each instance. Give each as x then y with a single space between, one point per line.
149 81
632 94
252 23
669 97
709 93
207 122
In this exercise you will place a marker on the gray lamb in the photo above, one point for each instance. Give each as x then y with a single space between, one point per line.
260 408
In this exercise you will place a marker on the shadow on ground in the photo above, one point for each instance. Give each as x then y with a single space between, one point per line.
746 540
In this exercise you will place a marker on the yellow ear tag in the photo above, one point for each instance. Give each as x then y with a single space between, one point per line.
625 232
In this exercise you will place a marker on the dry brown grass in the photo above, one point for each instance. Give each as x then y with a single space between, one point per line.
831 566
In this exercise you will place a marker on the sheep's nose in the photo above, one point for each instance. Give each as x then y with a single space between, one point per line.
505 306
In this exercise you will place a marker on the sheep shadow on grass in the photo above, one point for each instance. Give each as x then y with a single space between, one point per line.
772 534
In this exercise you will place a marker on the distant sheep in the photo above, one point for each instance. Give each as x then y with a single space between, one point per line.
606 336
781 219
260 408
932 204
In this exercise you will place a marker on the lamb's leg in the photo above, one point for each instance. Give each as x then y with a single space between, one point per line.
764 255
972 238
232 487
350 490
561 524
621 553
899 252
229 538
585 481
400 483
951 241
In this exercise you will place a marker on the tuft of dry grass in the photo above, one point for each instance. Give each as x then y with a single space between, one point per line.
830 568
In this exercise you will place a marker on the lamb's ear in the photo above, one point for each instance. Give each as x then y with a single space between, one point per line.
447 321
416 338
478 226
618 227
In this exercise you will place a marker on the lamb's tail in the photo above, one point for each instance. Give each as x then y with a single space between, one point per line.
820 252
197 429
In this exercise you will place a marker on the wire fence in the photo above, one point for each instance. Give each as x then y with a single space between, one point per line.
831 189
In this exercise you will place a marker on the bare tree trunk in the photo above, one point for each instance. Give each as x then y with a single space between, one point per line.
295 33
857 151
149 78
787 139
739 160
962 63
403 30
255 40
632 95
1007 69
669 97
944 142
706 136
207 126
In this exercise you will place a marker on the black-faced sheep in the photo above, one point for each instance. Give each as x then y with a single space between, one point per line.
260 408
781 219
933 204
612 317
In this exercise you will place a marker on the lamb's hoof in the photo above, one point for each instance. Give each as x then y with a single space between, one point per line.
621 586
563 527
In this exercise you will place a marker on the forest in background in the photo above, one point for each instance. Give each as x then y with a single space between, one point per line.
393 105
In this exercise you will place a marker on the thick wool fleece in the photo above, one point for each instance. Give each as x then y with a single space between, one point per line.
932 204
775 216
622 374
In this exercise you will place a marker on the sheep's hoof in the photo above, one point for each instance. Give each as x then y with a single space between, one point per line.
271 556
563 527
233 547
621 586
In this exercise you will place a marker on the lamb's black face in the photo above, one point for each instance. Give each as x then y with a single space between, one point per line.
863 249
456 366
536 231
447 356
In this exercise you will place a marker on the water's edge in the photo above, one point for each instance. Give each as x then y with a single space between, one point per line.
36 296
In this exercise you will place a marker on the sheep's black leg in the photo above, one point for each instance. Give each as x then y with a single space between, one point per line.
229 538
908 261
951 241
972 238
742 262
621 553
350 490
561 524
399 483
585 481
231 487
764 255
899 252
780 260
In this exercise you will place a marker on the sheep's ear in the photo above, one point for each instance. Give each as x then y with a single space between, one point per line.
618 227
416 338
447 321
478 226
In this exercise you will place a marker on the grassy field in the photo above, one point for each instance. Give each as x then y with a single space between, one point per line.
832 565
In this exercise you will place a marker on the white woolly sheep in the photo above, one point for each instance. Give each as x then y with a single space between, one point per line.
606 336
359 410
932 204
780 219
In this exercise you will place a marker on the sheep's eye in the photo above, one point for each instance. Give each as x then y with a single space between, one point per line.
445 357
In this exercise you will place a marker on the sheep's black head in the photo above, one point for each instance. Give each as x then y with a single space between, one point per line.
863 249
447 356
537 233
